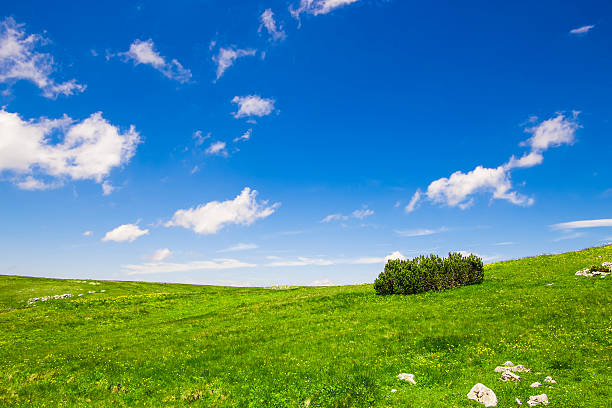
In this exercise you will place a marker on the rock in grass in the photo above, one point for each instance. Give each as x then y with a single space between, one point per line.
509 376
508 364
550 380
515 369
537 400
518 401
407 377
535 385
482 394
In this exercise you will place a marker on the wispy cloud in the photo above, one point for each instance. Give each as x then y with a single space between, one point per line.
161 254
307 261
570 236
239 247
125 233
20 60
606 222
420 232
226 57
582 30
143 52
412 205
245 136
504 243
267 20
318 7
166 267
217 149
358 214
253 105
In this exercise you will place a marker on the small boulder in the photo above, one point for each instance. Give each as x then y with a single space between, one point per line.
509 376
537 400
518 402
508 364
407 377
535 385
480 393
550 380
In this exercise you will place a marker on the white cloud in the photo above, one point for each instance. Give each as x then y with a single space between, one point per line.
253 105
217 149
582 30
569 236
19 60
306 261
125 232
485 258
213 216
553 132
267 21
504 243
227 56
89 149
303 261
245 136
321 282
239 247
361 214
161 254
107 188
166 267
606 222
458 189
143 52
317 7
412 205
87 233
199 137
334 217
420 232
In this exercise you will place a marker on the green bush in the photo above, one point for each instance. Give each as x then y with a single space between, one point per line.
426 273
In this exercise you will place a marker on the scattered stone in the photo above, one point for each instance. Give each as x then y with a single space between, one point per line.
590 273
509 376
393 390
515 369
537 400
94 283
535 385
80 294
549 284
550 380
46 298
102 291
480 393
407 377
91 291
508 363
518 401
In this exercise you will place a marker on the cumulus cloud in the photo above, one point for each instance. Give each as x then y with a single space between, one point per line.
161 254
226 57
167 267
89 149
239 247
213 216
143 52
217 149
317 7
267 21
125 232
253 105
20 60
582 30
606 222
245 136
458 189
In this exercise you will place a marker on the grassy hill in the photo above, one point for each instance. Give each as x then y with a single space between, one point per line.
149 344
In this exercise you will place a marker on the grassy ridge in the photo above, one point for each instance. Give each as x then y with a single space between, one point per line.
143 344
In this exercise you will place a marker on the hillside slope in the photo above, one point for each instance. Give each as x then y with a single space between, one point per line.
146 344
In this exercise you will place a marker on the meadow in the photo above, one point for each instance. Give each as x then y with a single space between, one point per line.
153 344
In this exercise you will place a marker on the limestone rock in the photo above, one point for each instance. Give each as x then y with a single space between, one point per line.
535 385
509 376
550 380
537 400
508 364
480 393
407 377
518 401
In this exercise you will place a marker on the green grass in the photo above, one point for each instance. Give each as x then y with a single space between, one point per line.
147 344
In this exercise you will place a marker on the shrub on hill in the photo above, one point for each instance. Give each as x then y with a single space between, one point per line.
426 273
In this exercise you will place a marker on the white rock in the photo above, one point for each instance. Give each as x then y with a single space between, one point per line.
393 390
535 385
508 364
521 369
537 400
407 377
550 380
483 395
509 376
518 401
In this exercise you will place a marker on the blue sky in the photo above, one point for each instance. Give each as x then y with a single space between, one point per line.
288 142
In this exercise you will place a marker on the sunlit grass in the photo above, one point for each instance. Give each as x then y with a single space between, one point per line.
141 344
